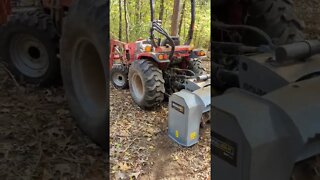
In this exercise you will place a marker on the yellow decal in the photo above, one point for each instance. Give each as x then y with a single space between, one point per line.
193 135
177 133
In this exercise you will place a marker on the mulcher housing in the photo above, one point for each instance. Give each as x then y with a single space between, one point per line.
265 125
284 130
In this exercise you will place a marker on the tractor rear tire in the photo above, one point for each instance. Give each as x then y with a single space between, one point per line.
119 76
29 47
195 65
277 19
146 84
84 66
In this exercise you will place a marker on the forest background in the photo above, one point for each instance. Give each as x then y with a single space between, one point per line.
130 19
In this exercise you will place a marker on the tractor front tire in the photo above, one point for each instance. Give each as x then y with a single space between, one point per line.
119 76
146 84
84 66
29 47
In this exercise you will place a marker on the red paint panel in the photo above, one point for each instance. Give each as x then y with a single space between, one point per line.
5 10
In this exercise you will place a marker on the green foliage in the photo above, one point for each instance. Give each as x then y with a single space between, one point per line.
139 28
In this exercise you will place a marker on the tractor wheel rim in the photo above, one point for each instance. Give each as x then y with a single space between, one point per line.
137 86
29 55
118 79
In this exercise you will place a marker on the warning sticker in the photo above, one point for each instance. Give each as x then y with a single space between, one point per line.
177 134
224 148
193 135
177 107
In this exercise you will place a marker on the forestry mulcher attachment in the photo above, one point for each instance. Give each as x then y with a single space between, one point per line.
266 123
153 69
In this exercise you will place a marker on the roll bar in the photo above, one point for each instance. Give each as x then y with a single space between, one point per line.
156 27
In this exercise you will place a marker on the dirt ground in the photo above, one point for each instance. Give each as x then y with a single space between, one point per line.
141 148
39 139
309 12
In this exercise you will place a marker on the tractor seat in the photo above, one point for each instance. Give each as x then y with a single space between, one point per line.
176 40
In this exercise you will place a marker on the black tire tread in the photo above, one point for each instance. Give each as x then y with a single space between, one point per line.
39 22
277 19
153 80
85 18
195 65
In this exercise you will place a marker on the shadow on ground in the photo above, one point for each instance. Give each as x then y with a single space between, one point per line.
39 139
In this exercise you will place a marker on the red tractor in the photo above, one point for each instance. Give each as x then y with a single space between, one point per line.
153 68
41 40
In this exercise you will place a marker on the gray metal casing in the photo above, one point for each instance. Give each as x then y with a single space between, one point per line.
193 84
258 75
264 137
185 112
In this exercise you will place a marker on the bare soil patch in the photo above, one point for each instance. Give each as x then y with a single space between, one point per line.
39 139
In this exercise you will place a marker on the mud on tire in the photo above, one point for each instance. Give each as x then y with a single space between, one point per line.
84 66
146 84
29 46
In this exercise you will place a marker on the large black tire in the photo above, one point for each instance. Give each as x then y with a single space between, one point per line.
195 65
277 19
119 76
307 169
146 84
84 66
29 46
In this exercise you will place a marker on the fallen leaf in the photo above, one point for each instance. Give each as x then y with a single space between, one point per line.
135 175
121 176
123 167
5 110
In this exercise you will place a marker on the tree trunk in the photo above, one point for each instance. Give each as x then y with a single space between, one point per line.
120 21
161 10
137 17
184 30
182 15
175 18
165 18
209 48
199 37
140 10
126 19
195 39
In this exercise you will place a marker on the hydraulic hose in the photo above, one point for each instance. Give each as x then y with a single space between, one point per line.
251 28
159 29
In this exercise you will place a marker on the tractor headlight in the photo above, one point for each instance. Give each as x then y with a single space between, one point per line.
162 56
148 49
201 53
